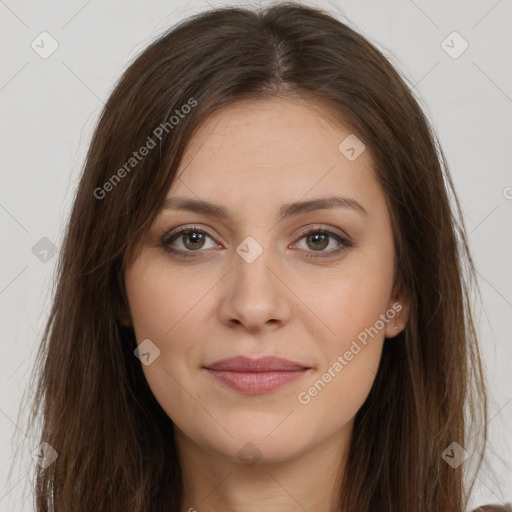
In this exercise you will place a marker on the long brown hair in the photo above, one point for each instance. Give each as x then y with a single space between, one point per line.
114 442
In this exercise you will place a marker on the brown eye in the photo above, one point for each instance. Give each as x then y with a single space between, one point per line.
192 240
186 241
319 241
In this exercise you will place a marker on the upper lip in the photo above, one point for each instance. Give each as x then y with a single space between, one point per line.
262 364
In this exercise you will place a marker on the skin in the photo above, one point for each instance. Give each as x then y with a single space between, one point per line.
252 157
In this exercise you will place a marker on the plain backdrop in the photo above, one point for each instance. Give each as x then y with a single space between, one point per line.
49 107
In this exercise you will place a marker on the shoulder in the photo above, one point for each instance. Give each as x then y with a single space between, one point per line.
506 507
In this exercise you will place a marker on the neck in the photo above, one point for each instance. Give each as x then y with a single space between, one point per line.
309 481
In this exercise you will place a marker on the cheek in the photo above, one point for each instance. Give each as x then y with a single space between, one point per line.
167 308
333 397
164 307
351 348
351 303
353 311
161 302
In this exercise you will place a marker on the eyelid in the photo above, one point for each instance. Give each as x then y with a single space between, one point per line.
167 238
302 232
323 227
343 239
185 228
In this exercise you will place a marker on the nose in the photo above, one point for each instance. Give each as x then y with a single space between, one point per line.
254 295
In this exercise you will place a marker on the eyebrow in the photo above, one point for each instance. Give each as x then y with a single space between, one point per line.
285 211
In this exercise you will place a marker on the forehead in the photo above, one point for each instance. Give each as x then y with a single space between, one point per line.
269 130
272 151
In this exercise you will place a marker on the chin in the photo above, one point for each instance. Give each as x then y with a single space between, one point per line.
261 439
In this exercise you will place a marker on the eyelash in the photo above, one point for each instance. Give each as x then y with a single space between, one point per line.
173 235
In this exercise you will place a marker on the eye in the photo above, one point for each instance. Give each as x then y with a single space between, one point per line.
319 239
192 239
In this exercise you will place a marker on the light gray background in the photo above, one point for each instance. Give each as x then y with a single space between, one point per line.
49 108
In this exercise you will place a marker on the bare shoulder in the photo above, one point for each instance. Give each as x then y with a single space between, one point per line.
506 507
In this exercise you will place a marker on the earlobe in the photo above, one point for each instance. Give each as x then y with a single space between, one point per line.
125 319
399 304
124 316
397 324
122 307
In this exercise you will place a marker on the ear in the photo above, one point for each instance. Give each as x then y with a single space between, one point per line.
122 311
400 304
126 319
121 303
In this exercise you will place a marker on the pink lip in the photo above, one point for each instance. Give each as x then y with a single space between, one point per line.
256 375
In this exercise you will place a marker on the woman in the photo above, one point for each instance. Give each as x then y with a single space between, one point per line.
261 296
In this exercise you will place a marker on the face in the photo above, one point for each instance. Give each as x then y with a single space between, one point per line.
310 285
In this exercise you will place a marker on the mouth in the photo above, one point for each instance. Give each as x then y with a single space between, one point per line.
255 376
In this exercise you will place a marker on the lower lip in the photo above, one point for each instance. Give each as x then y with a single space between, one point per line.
260 382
